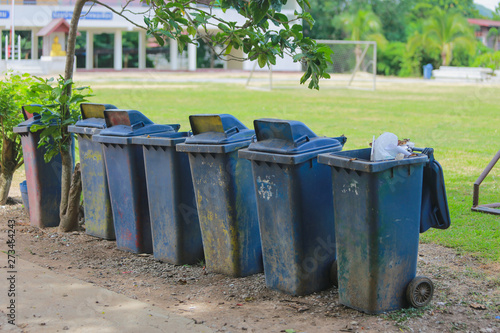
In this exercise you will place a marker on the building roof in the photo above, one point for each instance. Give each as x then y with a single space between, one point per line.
57 25
484 23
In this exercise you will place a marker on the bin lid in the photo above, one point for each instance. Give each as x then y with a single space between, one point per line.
217 129
122 125
132 123
165 139
93 115
92 118
288 137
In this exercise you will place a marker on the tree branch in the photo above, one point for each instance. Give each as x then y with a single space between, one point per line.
120 13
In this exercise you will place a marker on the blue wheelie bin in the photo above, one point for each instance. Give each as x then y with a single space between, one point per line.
172 205
23 187
126 176
378 209
97 206
225 194
43 179
295 204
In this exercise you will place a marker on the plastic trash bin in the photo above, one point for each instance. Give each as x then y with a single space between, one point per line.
43 179
378 208
295 204
126 177
172 205
97 206
427 69
225 194
23 187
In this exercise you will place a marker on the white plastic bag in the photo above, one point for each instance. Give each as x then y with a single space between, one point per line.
383 146
386 147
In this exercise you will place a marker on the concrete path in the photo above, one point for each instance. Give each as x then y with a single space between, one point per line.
50 302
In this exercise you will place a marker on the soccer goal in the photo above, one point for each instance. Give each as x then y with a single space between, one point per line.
354 66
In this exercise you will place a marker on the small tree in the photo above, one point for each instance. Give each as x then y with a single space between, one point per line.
60 110
13 94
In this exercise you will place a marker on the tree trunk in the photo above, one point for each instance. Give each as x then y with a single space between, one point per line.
9 166
69 218
5 182
443 58
357 53
73 30
71 187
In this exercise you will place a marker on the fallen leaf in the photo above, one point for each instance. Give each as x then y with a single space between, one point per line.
477 306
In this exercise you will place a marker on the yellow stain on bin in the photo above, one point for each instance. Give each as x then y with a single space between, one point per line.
206 124
92 155
90 110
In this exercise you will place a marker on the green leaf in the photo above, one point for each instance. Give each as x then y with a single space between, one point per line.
262 60
191 30
258 9
308 18
276 5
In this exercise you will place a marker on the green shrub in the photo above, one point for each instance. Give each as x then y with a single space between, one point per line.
489 60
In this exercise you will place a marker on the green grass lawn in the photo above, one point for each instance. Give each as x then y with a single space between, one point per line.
459 122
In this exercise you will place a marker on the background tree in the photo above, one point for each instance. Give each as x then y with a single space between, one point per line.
423 9
265 34
444 32
13 95
363 25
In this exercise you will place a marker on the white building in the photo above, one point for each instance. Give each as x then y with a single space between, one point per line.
31 16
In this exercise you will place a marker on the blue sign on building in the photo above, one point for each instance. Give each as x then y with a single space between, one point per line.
89 16
4 14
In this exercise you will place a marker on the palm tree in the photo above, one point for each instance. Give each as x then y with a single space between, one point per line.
363 25
445 31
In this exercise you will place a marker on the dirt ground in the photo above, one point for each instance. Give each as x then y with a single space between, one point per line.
466 299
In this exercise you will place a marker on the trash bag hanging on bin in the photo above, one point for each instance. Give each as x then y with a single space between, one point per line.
295 204
97 206
225 194
43 179
126 176
172 205
377 222
435 212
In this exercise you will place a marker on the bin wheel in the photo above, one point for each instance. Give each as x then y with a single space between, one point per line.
334 274
419 292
